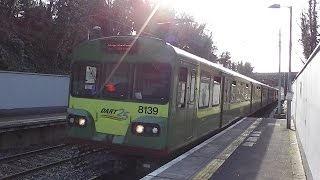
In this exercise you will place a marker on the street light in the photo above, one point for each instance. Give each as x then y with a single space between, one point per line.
279 82
289 93
279 93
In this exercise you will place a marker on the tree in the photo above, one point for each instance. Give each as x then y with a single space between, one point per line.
39 35
245 69
309 29
313 16
225 59
305 36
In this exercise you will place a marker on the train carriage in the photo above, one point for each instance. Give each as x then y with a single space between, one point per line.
142 96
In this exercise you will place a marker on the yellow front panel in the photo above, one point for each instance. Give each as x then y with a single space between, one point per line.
114 117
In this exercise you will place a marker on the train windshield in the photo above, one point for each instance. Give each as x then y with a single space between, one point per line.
137 82
115 83
152 82
84 80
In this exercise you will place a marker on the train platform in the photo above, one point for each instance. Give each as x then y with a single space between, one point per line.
13 123
252 148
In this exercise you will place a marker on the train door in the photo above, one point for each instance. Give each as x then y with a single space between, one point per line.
252 91
227 92
226 116
191 105
186 97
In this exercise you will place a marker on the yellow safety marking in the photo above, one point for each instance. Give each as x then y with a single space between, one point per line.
213 166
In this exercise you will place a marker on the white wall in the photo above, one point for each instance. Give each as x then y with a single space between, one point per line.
26 90
306 112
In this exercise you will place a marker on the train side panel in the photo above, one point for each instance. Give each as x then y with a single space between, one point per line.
256 98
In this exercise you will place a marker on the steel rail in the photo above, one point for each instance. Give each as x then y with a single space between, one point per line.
27 154
30 171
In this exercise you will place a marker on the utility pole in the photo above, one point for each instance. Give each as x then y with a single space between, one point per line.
279 92
289 92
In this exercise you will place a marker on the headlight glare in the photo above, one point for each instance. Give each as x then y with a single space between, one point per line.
82 121
145 129
139 129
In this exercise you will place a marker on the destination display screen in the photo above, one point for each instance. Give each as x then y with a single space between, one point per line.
120 46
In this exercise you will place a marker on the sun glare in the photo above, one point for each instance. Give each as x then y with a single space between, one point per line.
180 5
239 26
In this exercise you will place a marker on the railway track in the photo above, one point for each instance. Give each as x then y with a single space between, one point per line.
30 153
39 163
24 164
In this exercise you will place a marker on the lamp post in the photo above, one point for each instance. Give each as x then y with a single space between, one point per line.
279 93
289 93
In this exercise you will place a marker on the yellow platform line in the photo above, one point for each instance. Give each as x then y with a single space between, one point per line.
213 166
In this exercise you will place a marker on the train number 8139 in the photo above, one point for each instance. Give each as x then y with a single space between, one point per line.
148 110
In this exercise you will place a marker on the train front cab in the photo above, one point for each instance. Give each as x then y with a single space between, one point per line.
130 112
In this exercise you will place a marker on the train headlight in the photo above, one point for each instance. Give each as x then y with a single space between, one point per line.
82 121
139 129
145 129
71 120
155 130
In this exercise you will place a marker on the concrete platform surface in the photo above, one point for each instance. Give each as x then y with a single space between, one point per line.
253 148
28 121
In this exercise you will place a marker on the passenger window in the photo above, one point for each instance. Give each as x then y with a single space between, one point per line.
193 85
227 91
216 91
234 91
258 92
247 92
241 92
204 94
182 87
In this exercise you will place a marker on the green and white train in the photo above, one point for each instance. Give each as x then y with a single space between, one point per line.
143 96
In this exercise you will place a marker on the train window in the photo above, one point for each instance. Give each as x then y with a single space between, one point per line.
116 85
204 94
193 85
84 80
247 91
226 91
258 92
182 87
241 92
152 82
216 91
234 91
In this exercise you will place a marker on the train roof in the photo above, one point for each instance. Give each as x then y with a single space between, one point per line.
177 51
217 66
